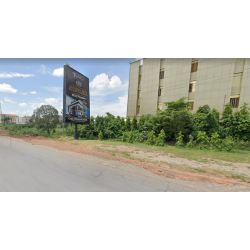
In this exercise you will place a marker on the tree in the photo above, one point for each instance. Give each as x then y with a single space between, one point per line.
176 118
228 110
122 124
134 123
128 124
46 118
6 119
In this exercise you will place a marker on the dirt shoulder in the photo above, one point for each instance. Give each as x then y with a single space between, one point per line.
168 166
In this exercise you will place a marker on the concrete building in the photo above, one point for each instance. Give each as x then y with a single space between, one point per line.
23 120
12 118
215 82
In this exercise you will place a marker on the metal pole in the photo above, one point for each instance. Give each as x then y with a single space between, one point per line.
63 127
75 131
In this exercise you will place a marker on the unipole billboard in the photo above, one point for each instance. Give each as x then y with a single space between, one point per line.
76 108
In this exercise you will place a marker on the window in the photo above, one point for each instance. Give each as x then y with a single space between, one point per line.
194 66
161 73
159 91
234 102
237 79
137 110
192 86
139 94
139 79
191 105
159 106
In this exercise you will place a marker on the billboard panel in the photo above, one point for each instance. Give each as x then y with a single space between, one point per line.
76 107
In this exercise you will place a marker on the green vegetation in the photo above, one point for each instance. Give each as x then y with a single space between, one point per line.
45 118
203 130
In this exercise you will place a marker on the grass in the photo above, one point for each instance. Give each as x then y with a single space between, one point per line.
242 156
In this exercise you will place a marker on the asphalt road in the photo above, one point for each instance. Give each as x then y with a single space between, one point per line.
26 167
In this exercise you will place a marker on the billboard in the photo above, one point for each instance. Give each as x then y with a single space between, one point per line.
76 107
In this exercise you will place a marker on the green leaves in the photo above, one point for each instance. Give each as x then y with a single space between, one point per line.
45 118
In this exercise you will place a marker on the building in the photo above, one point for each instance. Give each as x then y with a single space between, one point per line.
12 118
23 120
77 108
214 82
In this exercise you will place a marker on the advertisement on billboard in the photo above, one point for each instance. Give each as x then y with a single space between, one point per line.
76 108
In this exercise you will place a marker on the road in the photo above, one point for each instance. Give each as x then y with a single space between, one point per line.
25 167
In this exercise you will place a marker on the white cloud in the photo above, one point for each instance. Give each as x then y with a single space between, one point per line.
100 82
9 100
116 108
102 85
11 75
23 105
32 92
58 72
114 82
51 100
25 93
43 70
7 88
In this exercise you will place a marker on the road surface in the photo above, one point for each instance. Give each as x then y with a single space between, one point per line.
26 167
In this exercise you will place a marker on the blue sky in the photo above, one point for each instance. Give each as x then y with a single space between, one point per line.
25 84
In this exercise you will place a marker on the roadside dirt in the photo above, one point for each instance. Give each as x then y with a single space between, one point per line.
167 166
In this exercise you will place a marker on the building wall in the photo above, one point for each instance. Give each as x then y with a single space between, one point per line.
214 83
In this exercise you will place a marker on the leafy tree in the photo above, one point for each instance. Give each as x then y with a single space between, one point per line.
6 119
205 109
176 118
228 110
124 137
244 110
207 122
131 137
100 136
160 140
151 138
46 118
179 142
128 124
134 123
122 124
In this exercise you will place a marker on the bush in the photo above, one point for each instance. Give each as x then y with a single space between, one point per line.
131 137
191 143
160 140
179 139
124 137
203 140
151 138
140 136
100 136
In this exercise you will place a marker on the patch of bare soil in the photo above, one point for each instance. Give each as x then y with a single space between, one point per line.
165 168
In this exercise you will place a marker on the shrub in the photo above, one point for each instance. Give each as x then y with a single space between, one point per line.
191 143
131 137
160 140
140 136
124 136
151 138
100 136
216 142
203 140
179 139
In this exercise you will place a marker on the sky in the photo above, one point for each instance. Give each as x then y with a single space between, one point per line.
26 84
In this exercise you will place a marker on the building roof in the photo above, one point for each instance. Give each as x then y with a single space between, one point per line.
9 114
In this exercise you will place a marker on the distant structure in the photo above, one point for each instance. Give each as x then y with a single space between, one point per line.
0 109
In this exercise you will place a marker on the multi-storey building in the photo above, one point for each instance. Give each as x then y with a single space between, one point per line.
12 118
214 82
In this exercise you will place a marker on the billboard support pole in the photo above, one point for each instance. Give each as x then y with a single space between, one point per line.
75 131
